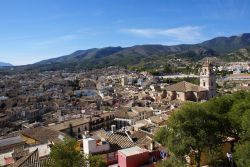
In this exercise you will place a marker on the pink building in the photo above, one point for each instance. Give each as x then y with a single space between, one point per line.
134 157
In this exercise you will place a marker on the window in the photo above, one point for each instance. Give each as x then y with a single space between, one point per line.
204 83
205 71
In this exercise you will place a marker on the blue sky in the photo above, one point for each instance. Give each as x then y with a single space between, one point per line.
34 30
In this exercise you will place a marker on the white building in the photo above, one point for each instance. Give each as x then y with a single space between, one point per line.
91 145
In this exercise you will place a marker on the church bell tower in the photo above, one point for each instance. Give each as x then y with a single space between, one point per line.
208 79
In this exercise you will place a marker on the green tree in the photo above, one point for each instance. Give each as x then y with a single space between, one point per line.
171 162
242 154
96 161
65 154
204 126
193 128
161 135
242 149
245 125
167 69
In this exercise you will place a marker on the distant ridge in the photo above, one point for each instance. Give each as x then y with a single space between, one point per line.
143 55
83 54
228 44
3 64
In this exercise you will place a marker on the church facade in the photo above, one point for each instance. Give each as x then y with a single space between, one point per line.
185 91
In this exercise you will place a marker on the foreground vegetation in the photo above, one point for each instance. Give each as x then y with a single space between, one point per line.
203 127
66 154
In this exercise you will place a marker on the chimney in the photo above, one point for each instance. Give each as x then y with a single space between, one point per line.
152 145
113 128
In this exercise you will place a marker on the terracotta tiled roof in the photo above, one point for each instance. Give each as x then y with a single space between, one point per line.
142 139
185 87
65 125
119 140
141 109
41 134
158 119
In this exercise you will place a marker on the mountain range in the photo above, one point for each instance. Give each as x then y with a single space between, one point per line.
3 64
224 48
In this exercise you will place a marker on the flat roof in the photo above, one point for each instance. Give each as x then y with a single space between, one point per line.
10 141
133 151
240 75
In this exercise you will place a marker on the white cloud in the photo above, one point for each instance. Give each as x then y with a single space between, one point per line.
182 34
